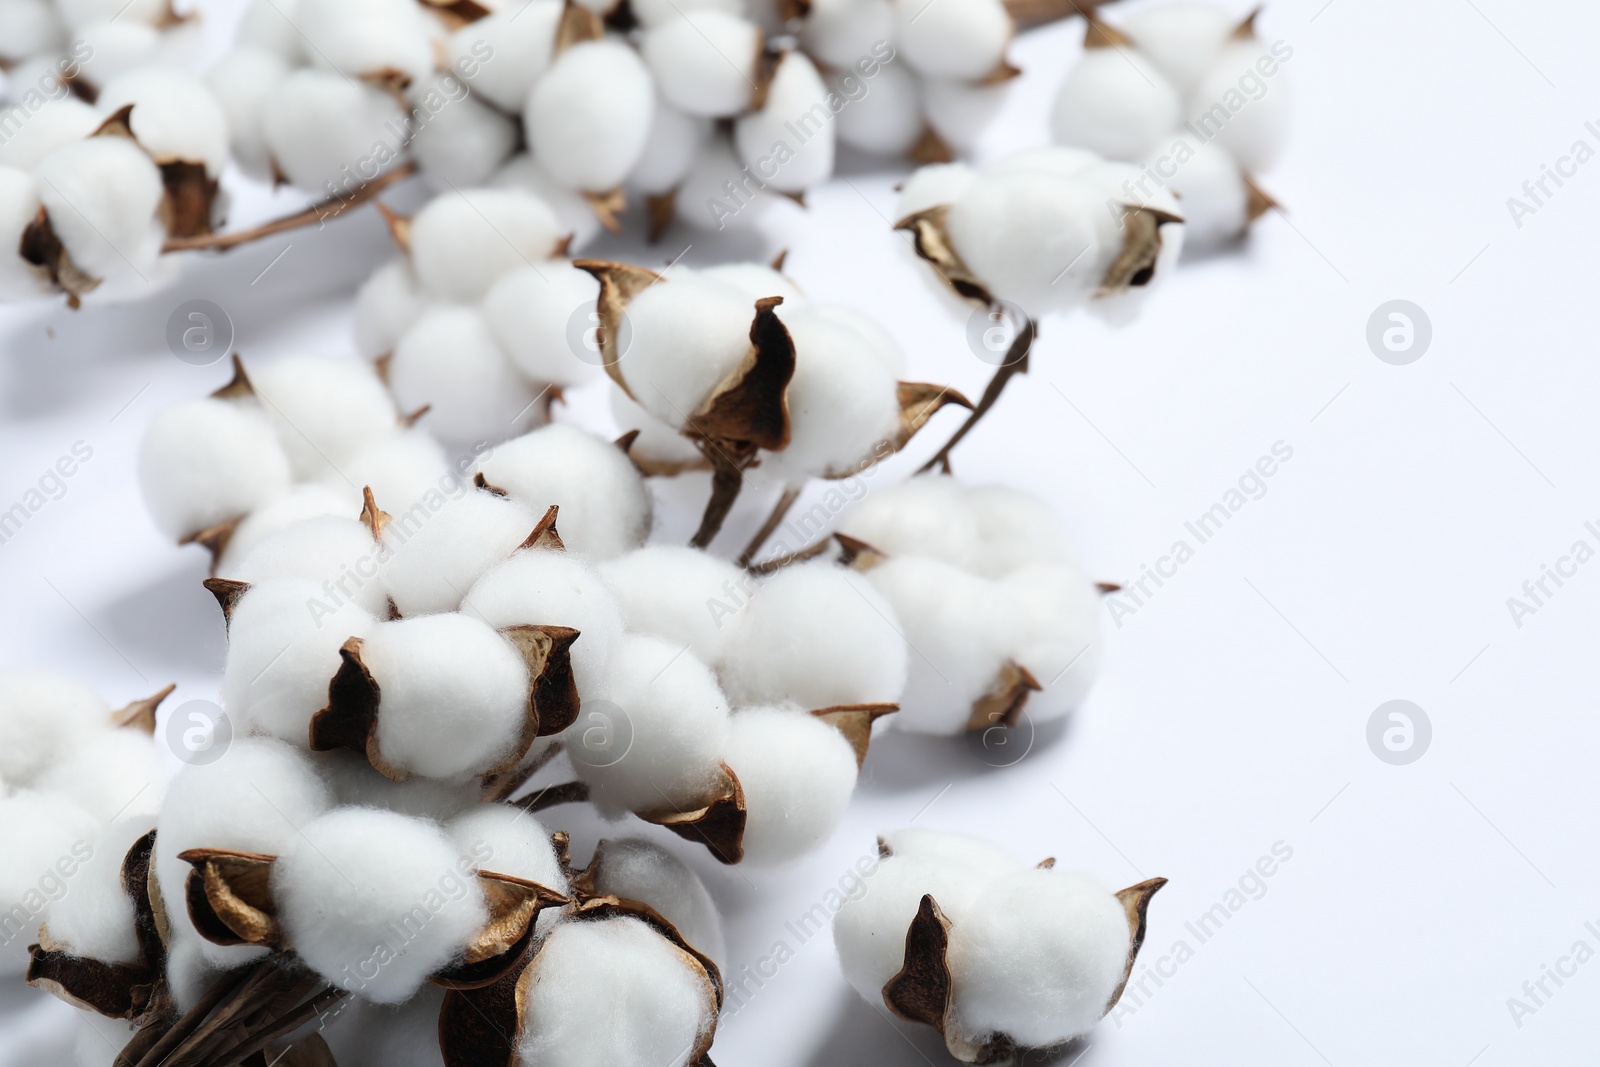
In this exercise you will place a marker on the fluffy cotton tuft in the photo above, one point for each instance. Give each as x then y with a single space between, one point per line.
438 552
797 773
387 304
96 918
466 141
796 93
681 594
506 840
449 362
675 139
943 846
356 877
1182 39
174 117
519 39
46 839
635 869
405 470
324 410
111 773
356 784
43 714
462 242
318 125
1115 102
688 334
531 312
1258 109
298 504
704 61
102 195
333 552
242 84
205 461
589 117
965 39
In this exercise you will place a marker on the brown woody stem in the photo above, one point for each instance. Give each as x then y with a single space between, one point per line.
728 461
779 510
1015 362
320 212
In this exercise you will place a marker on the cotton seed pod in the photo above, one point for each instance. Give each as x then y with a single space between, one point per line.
815 635
797 773
947 847
381 41
56 124
789 142
403 471
654 446
450 363
319 126
588 118
573 210
633 868
887 120
679 594
465 141
1182 39
436 555
299 503
1116 103
676 725
499 838
530 310
965 40
705 62
605 507
1219 202
387 303
43 715
520 42
203 462
97 920
1253 129
324 410
39 831
177 120
111 773
547 587
932 186
100 198
462 243
352 881
243 83
336 554
840 33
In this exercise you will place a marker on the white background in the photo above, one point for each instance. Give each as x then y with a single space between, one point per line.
1233 710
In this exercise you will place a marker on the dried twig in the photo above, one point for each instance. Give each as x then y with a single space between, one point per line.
320 212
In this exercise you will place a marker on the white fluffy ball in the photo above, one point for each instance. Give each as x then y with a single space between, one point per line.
589 117
797 773
438 553
462 242
449 361
205 461
704 61
681 594
1116 103
43 714
532 311
324 410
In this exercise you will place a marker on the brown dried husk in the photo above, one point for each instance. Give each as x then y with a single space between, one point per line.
717 824
229 894
141 714
42 250
855 722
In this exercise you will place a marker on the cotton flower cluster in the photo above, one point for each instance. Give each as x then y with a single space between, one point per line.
1190 96
73 774
90 193
1004 622
999 957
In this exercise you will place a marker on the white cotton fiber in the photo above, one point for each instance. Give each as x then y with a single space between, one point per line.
455 694
1037 958
402 471
960 111
943 846
572 210
269 26
321 129
635 869
27 28
675 139
336 554
688 334
462 242
816 635
375 902
1116 103
507 840
720 192
449 361
588 118
613 992
961 633
256 798
242 84
658 443
674 725
681 594
47 838
43 715
1253 120
869 931
465 140
438 554
704 61
1059 637
1209 185
963 39
797 773
111 773
205 461
367 38
80 13
387 304
841 33
356 784
299 503
1012 529
887 119
324 410
1061 160
797 117
935 184
175 116
364 1034
1182 39
519 40
531 311
57 124
543 587
96 917
655 12
605 507
879 340
102 195
755 280
189 973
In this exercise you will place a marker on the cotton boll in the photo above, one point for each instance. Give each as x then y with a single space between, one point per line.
405 470
1037 958
437 552
356 784
28 28
880 341
46 838
256 798
19 205
205 461
1062 161
796 108
883 117
353 878
540 587
589 117
1013 529
336 554
506 840
964 40
324 410
658 443
605 507
926 515
321 128
367 38
688 335
58 123
269 26
519 42
1210 187
1116 103
675 138
682 594
816 635
116 46
962 633
1182 39
43 716
755 281
96 918
635 869
449 361
465 141
613 991
111 773
720 193
953 849
704 61
174 117
243 83
102 195
797 773
869 930
572 211
935 184
299 503
1249 113
655 12
531 309
961 111
841 33
1058 625
461 243
387 304
676 721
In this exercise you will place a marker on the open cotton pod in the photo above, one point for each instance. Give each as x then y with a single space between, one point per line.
705 62
530 310
43 715
40 831
175 118
324 410
632 868
680 594
520 42
436 550
964 40
318 124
